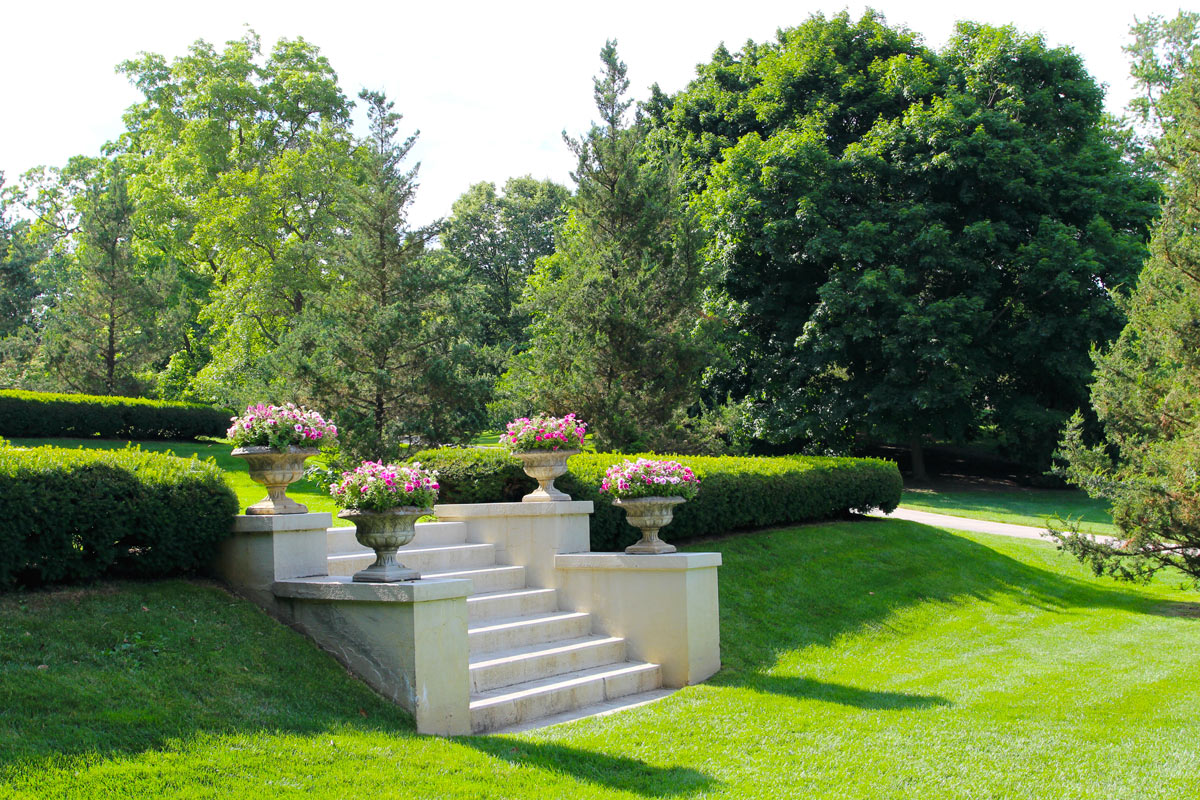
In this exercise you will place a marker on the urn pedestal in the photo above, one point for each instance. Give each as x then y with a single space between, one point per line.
275 469
649 514
385 532
544 466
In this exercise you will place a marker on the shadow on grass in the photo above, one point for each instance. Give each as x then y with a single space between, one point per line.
784 590
614 772
124 668
809 689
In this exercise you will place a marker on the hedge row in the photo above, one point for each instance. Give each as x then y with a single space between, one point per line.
43 414
735 493
68 516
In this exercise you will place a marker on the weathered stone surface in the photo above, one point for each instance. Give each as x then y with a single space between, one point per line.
664 606
408 641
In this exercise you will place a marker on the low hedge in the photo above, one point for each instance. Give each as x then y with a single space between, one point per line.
48 415
735 493
69 516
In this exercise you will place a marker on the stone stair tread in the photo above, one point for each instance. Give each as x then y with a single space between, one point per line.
519 622
527 591
457 573
603 709
562 646
519 691
470 546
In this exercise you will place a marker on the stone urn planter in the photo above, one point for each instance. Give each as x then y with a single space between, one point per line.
649 514
385 532
275 469
544 466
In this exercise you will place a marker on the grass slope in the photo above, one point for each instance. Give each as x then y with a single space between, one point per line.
873 659
1019 506
248 492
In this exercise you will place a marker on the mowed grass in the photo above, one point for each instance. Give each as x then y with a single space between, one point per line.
875 659
1037 508
248 492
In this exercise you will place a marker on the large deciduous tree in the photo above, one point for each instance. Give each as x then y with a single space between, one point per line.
238 158
1147 388
908 244
616 308
497 238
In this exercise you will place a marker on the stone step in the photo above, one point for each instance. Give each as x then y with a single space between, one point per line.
513 603
493 670
488 579
429 534
614 706
509 634
422 559
521 702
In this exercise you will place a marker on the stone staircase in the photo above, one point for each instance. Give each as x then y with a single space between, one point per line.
529 659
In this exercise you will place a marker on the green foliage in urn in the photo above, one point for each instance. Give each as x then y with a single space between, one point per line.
542 432
1147 387
375 486
71 516
281 427
646 477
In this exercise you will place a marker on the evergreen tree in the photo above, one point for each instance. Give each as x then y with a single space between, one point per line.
387 350
616 308
1147 388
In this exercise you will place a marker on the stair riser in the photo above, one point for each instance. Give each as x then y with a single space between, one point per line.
429 534
423 561
556 701
544 665
533 633
484 608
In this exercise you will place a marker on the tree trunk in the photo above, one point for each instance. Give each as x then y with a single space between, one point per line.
919 475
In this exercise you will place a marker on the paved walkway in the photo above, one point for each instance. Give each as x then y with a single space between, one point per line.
965 524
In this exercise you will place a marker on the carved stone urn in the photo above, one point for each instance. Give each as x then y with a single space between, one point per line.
648 514
544 466
275 469
385 532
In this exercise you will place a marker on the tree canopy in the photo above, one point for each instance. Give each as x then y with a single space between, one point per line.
908 243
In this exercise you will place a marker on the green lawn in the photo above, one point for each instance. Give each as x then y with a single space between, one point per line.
248 492
877 659
1019 506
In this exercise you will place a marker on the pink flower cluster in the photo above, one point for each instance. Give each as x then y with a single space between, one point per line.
544 433
649 478
375 486
281 427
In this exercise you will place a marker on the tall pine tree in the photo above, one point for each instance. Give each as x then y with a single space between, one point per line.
616 308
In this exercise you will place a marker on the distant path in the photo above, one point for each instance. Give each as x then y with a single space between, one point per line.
964 524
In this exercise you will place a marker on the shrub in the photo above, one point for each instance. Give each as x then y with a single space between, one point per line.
735 494
68 516
43 414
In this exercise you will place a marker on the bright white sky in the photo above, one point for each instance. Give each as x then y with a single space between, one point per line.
491 86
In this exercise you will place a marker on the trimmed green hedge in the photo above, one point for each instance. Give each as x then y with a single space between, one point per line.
47 415
68 516
735 493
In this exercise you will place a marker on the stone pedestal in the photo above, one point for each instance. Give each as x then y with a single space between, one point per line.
528 534
408 641
269 548
665 606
